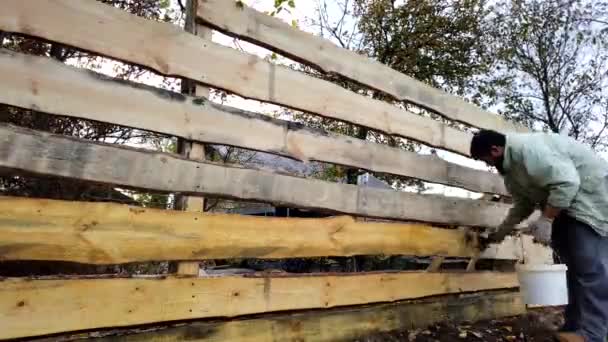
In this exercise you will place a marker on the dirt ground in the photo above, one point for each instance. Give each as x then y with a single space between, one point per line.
535 326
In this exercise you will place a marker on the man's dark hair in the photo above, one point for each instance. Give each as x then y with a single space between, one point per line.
482 142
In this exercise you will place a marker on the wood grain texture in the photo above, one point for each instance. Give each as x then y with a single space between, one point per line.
36 307
274 34
47 154
105 233
190 149
41 84
334 325
171 51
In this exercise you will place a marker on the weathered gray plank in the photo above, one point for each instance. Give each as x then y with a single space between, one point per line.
171 51
48 154
250 25
42 84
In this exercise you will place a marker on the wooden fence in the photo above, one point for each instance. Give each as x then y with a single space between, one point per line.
105 233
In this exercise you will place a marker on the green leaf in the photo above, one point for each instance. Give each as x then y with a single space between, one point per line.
291 3
294 23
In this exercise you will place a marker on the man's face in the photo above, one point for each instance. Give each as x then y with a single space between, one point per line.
495 158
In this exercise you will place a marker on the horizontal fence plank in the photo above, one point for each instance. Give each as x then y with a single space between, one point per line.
171 51
39 83
34 229
248 24
334 324
47 154
94 233
36 307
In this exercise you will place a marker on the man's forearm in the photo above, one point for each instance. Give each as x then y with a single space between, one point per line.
519 212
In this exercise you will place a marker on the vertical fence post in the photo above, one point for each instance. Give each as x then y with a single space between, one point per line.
435 264
191 149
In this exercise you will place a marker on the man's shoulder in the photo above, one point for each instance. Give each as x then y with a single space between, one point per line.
529 147
519 142
525 137
537 141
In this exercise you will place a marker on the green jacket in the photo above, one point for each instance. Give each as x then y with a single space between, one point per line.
556 170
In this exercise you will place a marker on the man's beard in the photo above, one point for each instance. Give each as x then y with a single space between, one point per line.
498 164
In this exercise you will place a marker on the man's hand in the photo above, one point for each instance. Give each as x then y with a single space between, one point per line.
541 230
496 235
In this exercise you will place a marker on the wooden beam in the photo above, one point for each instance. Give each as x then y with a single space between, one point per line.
170 51
192 204
47 154
248 24
95 233
190 149
472 263
36 307
435 264
335 324
41 84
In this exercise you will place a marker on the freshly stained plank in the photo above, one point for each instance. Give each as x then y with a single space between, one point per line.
335 324
248 24
171 51
104 233
36 307
47 154
41 84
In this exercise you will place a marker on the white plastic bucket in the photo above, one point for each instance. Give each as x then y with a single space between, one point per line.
543 285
